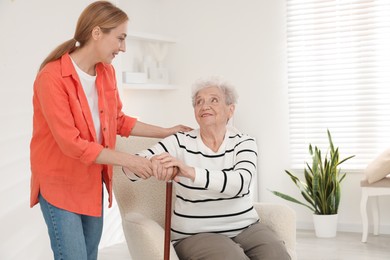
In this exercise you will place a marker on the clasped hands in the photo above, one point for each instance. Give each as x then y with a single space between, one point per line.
163 167
166 167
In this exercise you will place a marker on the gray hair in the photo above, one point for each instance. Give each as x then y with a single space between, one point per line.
227 89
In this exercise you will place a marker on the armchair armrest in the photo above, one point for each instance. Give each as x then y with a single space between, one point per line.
145 237
281 219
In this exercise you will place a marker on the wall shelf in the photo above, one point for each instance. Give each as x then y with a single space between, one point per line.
146 56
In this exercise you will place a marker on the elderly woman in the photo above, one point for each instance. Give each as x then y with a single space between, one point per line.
213 168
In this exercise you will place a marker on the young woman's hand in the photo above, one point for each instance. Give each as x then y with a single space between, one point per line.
140 166
179 128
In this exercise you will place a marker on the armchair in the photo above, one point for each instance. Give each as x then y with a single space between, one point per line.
142 208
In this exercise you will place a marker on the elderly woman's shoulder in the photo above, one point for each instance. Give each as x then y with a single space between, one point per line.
191 134
235 133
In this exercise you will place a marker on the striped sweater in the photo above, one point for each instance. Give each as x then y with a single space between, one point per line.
219 199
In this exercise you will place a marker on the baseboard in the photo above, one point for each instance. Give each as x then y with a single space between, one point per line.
346 227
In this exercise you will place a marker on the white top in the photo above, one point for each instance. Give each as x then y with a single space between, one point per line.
89 85
219 199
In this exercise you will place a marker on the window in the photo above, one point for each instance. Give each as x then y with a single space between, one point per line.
339 77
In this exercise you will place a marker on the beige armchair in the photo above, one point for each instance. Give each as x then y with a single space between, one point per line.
142 208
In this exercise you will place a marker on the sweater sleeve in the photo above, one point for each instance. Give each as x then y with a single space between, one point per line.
234 181
166 145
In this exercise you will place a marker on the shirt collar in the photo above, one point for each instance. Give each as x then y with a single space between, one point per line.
68 68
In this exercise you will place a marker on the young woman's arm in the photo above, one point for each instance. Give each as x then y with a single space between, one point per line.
147 130
139 165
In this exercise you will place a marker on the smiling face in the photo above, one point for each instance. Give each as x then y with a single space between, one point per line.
108 45
211 109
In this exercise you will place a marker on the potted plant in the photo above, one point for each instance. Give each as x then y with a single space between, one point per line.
321 188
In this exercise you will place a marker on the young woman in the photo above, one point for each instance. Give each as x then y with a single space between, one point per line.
77 115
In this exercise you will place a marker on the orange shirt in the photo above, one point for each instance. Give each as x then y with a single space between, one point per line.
64 144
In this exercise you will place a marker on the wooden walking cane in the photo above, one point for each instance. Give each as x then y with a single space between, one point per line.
168 208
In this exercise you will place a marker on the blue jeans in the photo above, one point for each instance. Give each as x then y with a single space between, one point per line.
72 236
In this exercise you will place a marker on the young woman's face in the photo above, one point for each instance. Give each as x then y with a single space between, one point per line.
110 44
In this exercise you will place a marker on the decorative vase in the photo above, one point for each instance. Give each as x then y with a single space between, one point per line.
325 226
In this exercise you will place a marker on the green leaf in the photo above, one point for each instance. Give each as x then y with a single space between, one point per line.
291 199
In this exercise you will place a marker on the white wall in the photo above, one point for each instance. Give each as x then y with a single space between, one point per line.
244 41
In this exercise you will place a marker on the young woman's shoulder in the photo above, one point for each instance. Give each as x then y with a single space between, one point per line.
53 67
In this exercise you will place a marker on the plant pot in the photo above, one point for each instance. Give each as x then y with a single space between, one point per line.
325 225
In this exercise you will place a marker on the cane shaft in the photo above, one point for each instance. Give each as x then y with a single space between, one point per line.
168 210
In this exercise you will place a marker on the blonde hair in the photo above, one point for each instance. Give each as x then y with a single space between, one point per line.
227 89
100 13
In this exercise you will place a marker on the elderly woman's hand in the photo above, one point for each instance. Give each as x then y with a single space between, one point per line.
168 162
162 172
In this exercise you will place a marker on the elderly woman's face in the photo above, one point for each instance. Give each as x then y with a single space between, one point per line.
211 108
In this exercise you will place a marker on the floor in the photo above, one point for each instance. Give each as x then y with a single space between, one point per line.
346 246
115 252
